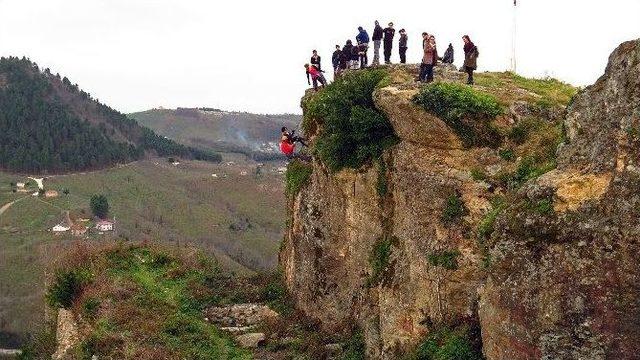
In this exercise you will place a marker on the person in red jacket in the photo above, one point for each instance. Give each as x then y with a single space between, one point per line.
316 76
288 142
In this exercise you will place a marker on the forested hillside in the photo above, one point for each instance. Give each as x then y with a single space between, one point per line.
47 124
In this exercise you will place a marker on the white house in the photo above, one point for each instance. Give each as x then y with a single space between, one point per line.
59 229
21 185
104 225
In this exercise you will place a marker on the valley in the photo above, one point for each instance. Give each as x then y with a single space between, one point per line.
231 210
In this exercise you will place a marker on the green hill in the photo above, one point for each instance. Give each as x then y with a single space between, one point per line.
254 135
47 124
235 217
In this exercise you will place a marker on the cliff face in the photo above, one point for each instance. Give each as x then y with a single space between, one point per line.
553 278
565 284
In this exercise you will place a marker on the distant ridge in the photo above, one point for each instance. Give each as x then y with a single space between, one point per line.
255 135
48 124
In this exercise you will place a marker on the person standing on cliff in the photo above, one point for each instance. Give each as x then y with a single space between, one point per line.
471 54
389 33
316 76
335 61
363 46
315 60
428 59
402 45
377 38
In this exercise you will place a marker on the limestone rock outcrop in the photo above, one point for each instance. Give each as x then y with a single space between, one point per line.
557 278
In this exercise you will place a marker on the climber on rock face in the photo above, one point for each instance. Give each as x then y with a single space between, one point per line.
316 76
288 142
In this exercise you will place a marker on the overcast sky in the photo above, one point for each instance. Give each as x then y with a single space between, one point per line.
248 55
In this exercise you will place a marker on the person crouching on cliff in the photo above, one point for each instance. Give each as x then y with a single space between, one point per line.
316 76
288 142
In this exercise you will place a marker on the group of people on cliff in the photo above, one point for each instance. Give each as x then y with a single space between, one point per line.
355 56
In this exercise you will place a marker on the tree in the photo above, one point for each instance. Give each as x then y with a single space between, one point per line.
99 206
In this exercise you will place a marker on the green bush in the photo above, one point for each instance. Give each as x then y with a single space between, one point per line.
379 259
478 174
507 154
447 259
297 175
67 287
467 111
354 348
527 169
90 307
448 344
352 130
486 226
454 209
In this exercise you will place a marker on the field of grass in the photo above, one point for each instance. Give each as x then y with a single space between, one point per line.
237 218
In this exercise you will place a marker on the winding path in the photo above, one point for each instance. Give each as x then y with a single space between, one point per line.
6 206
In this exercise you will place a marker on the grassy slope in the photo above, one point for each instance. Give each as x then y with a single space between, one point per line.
182 205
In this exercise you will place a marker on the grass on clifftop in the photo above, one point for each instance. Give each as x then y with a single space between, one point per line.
351 131
508 88
467 111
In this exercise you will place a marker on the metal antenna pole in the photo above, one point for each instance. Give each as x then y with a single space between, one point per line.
514 63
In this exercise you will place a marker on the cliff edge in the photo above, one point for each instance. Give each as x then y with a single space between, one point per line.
500 214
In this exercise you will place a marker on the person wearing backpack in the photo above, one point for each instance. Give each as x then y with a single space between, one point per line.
471 54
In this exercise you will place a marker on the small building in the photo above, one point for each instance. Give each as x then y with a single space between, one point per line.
78 230
60 229
20 185
51 194
104 225
244 173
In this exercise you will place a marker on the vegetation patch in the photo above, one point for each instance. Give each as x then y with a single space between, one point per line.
352 131
467 111
66 287
448 343
454 209
507 154
297 175
354 347
447 259
477 174
486 226
382 186
379 260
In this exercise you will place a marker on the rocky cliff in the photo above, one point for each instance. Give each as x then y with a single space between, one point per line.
519 226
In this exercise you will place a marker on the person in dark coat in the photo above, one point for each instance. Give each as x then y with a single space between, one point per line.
402 45
471 54
377 38
335 60
347 49
355 57
363 44
448 55
389 33
315 60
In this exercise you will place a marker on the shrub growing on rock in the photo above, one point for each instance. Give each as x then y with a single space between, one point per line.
448 343
379 259
447 259
454 209
297 175
468 112
67 287
352 131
